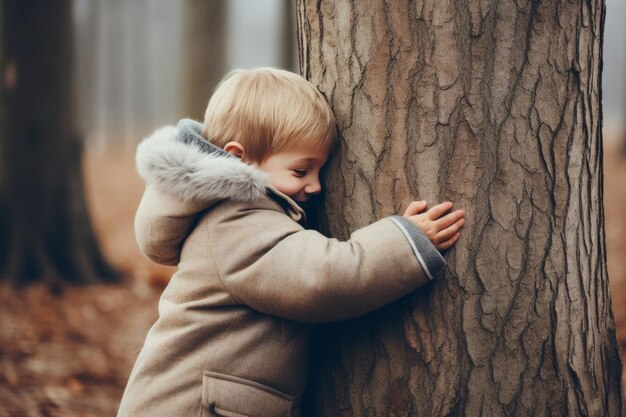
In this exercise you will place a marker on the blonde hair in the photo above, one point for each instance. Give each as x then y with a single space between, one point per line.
268 110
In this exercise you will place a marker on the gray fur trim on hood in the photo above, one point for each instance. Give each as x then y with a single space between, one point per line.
179 161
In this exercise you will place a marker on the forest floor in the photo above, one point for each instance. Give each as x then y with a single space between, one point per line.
70 354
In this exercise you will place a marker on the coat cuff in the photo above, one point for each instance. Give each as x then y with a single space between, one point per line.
427 255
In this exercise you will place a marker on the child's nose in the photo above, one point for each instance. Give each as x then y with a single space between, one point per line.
314 187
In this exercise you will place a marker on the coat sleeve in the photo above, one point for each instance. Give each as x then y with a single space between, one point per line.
276 267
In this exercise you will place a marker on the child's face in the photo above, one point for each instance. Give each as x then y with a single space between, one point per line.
295 172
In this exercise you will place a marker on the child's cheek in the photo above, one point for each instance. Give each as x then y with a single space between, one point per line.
286 185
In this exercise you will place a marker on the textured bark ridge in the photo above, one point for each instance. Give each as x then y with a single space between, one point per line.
494 106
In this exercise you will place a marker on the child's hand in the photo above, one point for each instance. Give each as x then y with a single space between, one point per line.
443 232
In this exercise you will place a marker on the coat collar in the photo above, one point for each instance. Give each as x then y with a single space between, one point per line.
179 161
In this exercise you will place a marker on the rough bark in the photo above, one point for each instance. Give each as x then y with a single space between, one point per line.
496 107
45 234
205 53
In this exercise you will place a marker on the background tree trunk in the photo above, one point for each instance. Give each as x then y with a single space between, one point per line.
205 53
45 233
496 107
287 48
624 110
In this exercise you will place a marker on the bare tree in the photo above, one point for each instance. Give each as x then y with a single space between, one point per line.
287 35
45 234
205 53
494 106
624 111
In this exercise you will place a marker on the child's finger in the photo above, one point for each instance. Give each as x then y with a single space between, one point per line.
449 231
449 219
436 211
448 243
415 207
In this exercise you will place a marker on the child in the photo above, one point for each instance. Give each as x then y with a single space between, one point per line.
221 202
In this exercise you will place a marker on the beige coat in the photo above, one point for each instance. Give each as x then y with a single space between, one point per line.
232 338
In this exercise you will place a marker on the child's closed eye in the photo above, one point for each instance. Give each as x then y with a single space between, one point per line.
299 172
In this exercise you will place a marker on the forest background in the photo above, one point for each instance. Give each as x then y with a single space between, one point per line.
143 64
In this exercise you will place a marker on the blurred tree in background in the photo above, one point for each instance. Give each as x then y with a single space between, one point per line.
288 37
205 48
45 233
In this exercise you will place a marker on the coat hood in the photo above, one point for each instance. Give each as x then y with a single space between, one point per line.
180 162
185 176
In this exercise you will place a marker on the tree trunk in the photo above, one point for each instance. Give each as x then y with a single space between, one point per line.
624 110
45 234
86 62
205 54
494 106
287 35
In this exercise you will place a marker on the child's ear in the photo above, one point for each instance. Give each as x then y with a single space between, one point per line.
235 148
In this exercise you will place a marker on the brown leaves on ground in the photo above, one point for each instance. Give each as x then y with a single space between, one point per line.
70 354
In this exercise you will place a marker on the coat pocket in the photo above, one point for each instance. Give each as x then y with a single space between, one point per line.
230 396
